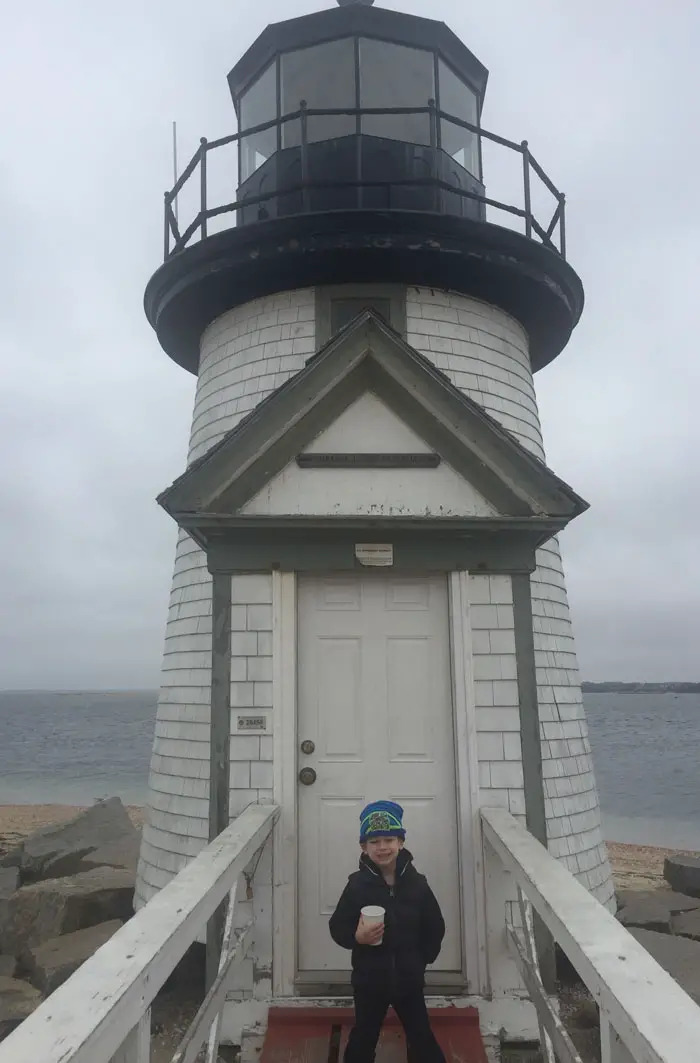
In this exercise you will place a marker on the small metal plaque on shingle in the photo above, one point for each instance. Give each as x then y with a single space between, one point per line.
368 461
375 555
252 723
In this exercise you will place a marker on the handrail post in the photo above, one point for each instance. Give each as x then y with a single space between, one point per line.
432 115
303 105
203 187
166 227
526 188
562 224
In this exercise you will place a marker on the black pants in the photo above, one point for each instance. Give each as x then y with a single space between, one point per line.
370 1012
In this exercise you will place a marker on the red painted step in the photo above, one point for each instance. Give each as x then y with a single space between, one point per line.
319 1035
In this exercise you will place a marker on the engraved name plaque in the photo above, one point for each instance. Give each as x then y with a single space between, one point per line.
368 461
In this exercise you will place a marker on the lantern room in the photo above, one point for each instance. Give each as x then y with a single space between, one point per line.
358 107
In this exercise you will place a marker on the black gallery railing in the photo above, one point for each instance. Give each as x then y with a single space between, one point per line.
552 233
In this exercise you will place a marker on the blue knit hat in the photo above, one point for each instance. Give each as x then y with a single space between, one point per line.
381 819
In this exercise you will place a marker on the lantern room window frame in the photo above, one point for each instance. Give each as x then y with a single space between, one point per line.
473 165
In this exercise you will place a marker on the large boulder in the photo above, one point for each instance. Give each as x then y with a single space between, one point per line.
677 955
683 874
123 852
9 881
57 850
17 1001
676 902
687 924
44 910
51 963
653 909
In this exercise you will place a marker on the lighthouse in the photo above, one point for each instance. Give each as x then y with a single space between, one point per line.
368 598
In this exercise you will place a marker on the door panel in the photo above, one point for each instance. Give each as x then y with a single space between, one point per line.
375 696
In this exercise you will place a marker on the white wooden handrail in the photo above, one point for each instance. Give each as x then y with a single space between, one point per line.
653 1017
89 1017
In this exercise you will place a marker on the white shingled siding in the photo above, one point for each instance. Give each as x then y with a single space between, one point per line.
245 354
485 353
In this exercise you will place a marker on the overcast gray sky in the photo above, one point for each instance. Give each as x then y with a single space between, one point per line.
94 418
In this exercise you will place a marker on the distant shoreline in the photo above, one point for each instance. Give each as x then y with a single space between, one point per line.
612 687
588 686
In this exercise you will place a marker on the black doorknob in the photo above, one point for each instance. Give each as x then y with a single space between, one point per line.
307 776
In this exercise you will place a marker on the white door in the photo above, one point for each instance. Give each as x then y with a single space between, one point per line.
375 698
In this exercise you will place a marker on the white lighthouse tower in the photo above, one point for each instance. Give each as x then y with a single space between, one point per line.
367 522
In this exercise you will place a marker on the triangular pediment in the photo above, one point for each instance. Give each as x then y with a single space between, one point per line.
369 428
336 473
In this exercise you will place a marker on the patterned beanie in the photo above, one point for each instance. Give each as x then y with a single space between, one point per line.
381 819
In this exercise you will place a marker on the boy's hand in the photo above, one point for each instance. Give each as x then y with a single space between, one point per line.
369 933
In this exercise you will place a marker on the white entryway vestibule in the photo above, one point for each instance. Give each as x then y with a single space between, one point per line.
376 701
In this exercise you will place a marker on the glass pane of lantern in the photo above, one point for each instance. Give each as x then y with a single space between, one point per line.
258 105
324 76
458 100
392 75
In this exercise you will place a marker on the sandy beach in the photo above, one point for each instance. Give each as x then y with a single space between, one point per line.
634 866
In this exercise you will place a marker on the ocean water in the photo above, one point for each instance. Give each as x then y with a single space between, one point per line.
73 748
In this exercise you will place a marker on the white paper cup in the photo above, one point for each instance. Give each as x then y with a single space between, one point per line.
371 914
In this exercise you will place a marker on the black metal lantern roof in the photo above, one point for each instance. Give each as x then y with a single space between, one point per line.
357 20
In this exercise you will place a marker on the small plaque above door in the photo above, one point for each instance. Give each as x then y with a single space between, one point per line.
375 555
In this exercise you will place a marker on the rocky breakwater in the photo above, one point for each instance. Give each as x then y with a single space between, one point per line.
666 921
64 891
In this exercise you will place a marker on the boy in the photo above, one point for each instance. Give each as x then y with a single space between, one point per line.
389 959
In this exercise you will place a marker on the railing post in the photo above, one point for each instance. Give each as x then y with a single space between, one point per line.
203 187
612 1050
501 893
434 161
562 224
219 744
526 188
137 1046
166 226
303 105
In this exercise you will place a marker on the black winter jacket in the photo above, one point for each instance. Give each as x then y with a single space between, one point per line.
413 927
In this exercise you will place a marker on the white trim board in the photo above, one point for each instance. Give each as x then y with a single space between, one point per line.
467 784
284 700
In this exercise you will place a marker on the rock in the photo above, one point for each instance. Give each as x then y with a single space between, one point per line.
683 874
124 853
8 966
653 909
687 924
17 1001
649 914
9 880
47 909
57 850
677 955
675 902
50 964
